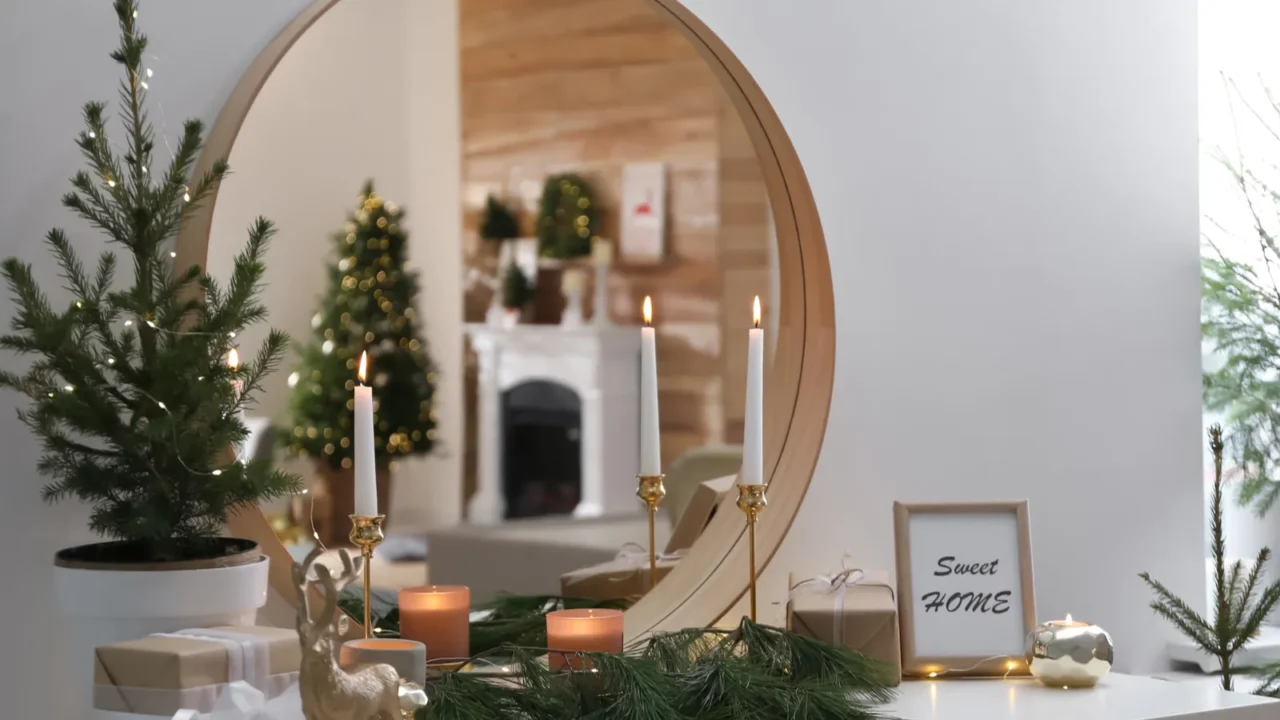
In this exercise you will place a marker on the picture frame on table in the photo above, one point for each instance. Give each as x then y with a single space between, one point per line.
966 587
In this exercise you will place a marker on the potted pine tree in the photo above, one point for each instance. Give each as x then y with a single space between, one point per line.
130 392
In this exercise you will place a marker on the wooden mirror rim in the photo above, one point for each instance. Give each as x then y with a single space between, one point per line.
713 575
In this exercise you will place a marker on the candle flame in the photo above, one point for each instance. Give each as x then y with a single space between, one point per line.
364 366
755 311
1068 617
648 311
233 359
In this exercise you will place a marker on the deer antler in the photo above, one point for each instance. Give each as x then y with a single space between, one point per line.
332 586
300 572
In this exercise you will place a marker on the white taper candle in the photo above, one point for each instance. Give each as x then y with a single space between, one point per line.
237 386
366 500
753 422
650 442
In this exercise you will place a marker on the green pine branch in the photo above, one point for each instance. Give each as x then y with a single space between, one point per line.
1241 601
753 672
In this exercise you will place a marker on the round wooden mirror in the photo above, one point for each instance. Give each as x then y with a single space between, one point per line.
713 573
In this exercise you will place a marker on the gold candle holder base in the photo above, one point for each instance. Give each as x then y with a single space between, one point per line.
651 491
366 534
752 502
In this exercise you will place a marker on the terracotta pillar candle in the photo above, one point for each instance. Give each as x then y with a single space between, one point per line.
408 657
438 616
582 631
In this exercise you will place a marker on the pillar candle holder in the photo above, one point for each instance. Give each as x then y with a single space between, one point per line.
752 502
651 491
366 534
1068 654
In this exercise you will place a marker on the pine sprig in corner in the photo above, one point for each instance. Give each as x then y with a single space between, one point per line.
1240 603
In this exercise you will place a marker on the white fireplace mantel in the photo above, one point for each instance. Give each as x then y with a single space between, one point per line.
600 364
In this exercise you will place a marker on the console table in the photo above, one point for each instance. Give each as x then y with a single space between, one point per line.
1117 697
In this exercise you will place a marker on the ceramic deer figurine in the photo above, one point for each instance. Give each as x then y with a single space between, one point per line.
371 692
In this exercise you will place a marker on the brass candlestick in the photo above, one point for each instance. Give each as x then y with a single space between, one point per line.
751 500
366 534
651 491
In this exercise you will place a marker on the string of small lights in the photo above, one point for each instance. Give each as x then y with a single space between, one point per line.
1011 664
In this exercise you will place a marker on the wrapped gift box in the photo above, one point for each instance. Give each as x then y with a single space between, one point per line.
858 612
621 578
158 675
707 498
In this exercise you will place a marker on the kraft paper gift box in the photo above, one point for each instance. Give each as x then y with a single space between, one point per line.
158 675
626 576
856 611
702 507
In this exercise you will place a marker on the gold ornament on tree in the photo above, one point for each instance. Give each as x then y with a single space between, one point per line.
329 692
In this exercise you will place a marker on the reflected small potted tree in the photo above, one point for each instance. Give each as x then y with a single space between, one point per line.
517 293
368 305
131 394
499 227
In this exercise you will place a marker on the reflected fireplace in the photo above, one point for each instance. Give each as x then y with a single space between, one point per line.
557 421
541 449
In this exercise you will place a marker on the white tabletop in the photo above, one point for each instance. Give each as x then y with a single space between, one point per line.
1117 697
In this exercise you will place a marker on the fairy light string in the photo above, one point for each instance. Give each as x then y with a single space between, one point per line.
1010 665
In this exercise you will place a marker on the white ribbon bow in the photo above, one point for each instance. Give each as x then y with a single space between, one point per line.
637 554
636 557
242 701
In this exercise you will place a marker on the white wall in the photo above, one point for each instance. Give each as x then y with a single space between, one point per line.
201 49
1008 191
370 91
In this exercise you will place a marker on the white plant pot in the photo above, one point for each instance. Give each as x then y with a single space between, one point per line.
109 606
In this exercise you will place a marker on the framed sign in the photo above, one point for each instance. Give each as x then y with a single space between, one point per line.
966 596
644 212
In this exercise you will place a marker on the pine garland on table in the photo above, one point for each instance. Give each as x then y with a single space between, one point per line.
753 672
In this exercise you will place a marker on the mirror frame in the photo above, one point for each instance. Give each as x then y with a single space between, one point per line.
713 575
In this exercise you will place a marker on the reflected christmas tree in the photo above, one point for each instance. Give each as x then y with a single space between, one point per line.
369 304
